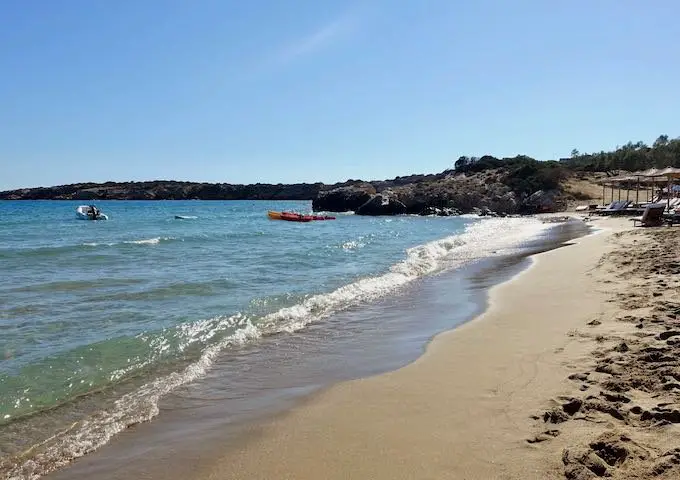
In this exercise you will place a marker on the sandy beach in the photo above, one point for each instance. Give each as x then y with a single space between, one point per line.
570 373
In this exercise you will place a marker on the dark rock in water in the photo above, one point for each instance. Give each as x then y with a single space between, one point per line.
385 203
449 212
440 212
428 211
485 211
343 199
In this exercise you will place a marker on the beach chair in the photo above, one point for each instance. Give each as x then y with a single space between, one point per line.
588 208
671 218
652 217
600 208
615 207
673 204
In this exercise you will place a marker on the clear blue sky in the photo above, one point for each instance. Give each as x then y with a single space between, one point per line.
303 90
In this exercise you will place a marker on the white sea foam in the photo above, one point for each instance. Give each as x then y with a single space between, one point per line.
144 241
352 245
488 237
148 241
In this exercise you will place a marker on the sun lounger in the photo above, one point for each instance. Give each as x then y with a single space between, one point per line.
601 208
653 216
656 199
671 218
614 208
673 204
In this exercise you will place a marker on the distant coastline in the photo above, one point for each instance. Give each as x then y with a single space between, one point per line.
165 190
451 192
179 190
485 186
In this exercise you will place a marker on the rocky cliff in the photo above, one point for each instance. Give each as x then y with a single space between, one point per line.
490 191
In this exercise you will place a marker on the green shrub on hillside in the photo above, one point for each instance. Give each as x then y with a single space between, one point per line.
524 175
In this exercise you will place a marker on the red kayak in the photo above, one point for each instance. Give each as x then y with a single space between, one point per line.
296 217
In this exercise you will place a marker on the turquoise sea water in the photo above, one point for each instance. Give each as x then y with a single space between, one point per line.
98 320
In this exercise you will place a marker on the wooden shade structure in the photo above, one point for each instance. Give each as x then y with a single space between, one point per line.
645 177
653 173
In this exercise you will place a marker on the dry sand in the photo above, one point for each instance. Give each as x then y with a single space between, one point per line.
621 418
539 386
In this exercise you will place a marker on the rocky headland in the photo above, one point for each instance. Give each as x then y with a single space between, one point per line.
453 193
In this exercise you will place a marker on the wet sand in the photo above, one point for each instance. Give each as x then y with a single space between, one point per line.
538 386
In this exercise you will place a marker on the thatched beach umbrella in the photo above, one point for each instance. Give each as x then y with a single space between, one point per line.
646 177
670 173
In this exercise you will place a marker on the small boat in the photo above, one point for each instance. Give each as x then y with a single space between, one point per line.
90 212
296 217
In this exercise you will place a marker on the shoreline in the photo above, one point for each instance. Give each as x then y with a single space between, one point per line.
105 463
410 423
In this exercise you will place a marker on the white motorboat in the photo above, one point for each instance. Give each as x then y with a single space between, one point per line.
90 212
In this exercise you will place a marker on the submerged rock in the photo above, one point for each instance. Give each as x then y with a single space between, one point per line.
385 203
